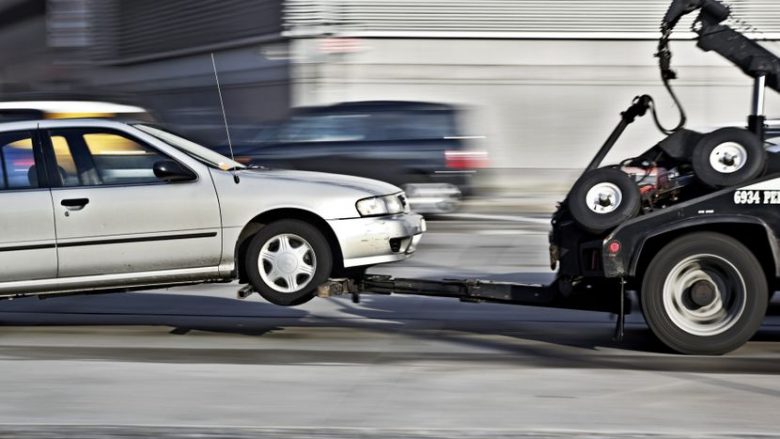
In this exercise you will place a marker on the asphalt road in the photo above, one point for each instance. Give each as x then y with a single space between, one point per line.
196 362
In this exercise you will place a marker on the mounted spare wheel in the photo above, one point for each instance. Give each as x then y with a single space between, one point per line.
729 157
604 198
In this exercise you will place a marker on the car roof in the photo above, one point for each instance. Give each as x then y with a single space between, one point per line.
80 107
60 123
375 106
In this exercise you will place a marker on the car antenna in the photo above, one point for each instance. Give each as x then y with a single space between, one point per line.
224 116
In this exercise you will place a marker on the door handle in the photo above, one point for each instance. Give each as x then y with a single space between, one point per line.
75 203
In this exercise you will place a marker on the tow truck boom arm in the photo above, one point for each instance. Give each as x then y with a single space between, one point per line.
679 8
752 58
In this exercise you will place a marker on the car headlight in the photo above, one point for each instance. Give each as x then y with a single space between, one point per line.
386 205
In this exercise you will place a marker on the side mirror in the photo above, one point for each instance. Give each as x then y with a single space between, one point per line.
172 172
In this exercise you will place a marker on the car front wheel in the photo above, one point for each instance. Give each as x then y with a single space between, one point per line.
287 260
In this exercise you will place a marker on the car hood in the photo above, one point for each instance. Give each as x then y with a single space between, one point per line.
367 185
329 196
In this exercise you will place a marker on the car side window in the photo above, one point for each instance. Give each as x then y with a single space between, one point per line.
17 161
324 128
102 157
417 125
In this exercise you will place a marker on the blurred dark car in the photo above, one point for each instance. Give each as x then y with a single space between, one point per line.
414 145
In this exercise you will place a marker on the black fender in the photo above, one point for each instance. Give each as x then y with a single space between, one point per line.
724 221
633 239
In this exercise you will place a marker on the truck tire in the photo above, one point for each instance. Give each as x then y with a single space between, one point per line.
604 198
287 260
729 157
704 293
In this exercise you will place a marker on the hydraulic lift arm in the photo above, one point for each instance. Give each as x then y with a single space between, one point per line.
752 58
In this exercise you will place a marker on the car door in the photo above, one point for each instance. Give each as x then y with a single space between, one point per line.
113 215
27 240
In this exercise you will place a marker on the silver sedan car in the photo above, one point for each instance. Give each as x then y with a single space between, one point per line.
92 205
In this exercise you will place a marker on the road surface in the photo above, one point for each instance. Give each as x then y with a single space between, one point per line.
196 362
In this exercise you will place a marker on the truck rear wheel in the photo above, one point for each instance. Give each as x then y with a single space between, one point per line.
704 293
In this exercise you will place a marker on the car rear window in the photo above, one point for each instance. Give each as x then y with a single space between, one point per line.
17 161
323 128
414 125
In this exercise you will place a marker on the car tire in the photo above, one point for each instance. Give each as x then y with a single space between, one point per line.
604 198
705 294
729 157
287 260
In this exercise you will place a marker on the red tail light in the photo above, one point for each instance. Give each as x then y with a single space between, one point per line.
22 163
466 159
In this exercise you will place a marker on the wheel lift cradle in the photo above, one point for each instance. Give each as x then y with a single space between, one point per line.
584 296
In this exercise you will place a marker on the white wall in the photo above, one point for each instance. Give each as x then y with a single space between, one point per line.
541 103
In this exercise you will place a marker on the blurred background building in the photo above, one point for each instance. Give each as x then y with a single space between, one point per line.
543 81
151 53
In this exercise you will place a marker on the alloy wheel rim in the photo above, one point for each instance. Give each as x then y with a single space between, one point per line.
287 263
722 309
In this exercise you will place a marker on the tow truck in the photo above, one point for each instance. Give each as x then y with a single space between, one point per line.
691 224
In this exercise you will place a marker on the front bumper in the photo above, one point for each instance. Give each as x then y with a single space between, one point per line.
433 197
377 240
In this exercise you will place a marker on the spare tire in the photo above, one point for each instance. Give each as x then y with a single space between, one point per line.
604 198
729 157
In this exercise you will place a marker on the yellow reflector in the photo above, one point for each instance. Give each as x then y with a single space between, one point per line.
21 144
79 115
111 144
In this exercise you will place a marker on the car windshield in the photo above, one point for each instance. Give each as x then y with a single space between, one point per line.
191 148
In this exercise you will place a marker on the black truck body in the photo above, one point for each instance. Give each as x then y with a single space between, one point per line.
692 224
